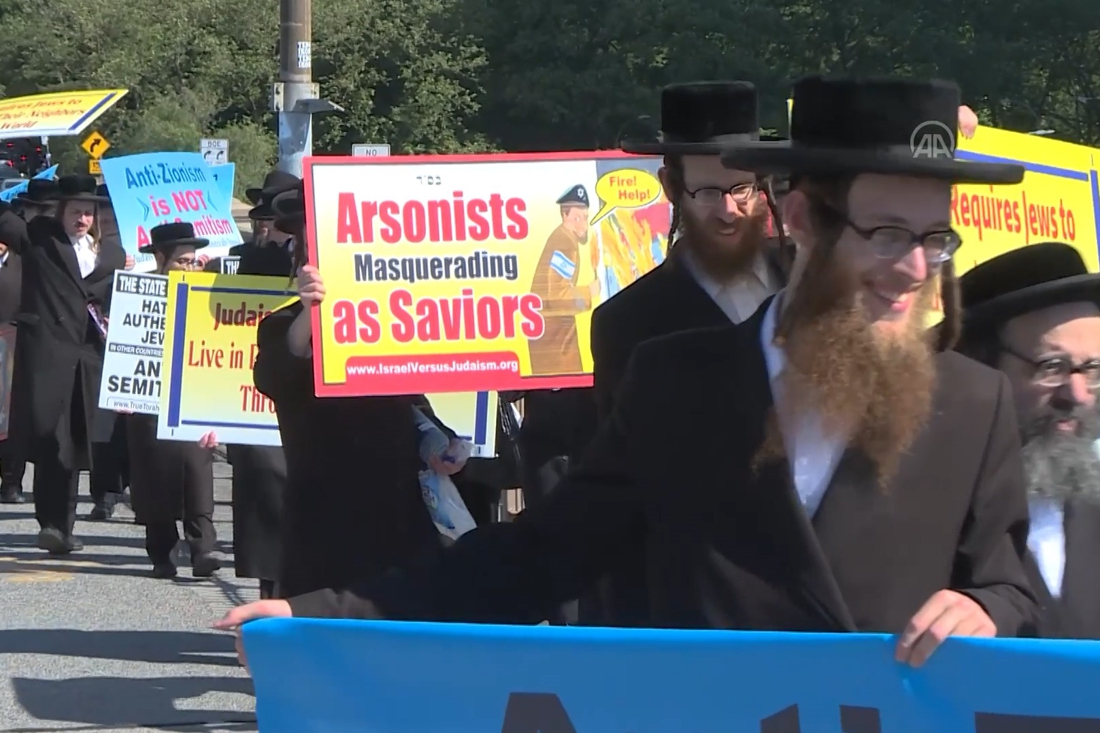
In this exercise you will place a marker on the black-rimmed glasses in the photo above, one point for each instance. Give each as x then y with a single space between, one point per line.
1055 371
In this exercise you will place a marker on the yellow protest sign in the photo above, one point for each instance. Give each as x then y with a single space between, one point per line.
55 114
95 145
209 351
471 273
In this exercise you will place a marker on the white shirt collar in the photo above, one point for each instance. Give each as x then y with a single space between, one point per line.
759 273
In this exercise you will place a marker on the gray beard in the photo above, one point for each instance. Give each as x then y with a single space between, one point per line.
1061 466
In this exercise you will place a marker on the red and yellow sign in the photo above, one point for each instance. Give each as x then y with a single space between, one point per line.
472 273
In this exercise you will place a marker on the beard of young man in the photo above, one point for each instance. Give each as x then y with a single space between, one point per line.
723 256
874 388
1062 465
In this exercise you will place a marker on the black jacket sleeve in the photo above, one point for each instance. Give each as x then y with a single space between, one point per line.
278 373
989 563
519 572
607 365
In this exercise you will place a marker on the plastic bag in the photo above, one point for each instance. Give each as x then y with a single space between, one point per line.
441 497
445 505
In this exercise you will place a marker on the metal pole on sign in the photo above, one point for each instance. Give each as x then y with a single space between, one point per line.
295 97
296 84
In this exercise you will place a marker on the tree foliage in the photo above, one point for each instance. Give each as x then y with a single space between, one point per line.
451 75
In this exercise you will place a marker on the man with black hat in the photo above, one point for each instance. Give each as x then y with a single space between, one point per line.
820 466
720 267
259 471
270 251
171 480
67 279
1034 313
13 239
40 199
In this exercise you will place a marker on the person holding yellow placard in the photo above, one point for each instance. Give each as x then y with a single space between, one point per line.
172 480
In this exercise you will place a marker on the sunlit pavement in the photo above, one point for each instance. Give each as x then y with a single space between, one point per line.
90 642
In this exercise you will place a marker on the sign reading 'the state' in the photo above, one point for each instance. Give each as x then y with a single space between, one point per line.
135 344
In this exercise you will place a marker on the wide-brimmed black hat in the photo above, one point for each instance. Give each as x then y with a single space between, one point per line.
169 236
78 188
275 182
289 209
886 126
700 118
1024 280
40 191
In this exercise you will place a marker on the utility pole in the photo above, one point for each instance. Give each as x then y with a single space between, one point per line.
295 88
295 98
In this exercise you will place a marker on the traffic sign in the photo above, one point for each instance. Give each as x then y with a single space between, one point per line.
215 151
95 145
366 150
93 168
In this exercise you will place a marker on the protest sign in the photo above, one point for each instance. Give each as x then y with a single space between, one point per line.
1057 201
135 344
224 176
156 188
314 675
209 354
55 114
471 273
10 193
230 264
7 367
211 349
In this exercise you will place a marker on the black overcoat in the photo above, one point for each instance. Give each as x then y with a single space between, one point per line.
671 479
60 361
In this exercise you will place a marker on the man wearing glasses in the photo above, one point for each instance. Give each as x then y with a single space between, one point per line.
821 466
1033 313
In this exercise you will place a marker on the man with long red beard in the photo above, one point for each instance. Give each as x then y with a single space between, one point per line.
819 467
720 267
1033 313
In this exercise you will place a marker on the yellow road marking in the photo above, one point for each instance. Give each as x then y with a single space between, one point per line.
16 570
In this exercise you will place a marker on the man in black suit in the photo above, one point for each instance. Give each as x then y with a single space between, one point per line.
720 268
271 250
13 235
821 466
1034 313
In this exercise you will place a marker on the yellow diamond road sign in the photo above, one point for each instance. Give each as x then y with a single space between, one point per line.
95 145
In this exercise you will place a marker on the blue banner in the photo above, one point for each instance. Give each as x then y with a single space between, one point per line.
155 188
386 677
14 191
224 175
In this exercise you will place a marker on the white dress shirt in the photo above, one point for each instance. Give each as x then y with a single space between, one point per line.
739 297
85 255
1047 541
812 454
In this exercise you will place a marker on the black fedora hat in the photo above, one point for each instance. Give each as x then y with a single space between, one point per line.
851 126
39 191
170 236
289 209
700 118
275 182
1023 280
78 188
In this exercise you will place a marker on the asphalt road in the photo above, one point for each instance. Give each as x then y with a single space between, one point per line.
92 643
